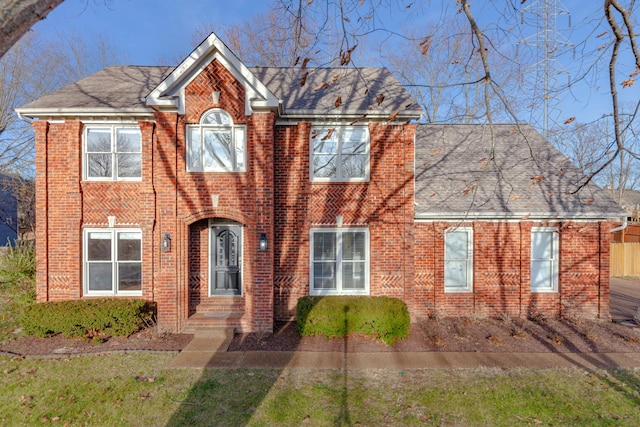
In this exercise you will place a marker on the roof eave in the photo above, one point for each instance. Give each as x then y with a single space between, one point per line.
519 216
401 117
44 113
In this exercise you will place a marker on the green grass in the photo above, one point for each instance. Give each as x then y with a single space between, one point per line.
138 389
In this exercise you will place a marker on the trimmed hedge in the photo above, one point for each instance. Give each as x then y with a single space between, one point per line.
382 318
92 318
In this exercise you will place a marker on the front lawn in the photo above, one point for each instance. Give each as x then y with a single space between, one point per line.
138 389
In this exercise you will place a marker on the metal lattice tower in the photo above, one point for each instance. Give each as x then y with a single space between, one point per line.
548 44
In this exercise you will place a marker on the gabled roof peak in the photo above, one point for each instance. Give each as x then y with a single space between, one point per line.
169 94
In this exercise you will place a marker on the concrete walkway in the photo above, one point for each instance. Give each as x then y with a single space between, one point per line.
208 349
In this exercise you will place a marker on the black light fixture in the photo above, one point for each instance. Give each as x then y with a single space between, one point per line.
263 242
166 243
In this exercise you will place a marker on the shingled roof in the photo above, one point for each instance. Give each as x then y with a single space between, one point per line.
112 90
466 171
122 89
355 91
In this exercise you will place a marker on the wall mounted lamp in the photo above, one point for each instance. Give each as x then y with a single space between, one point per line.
263 242
166 243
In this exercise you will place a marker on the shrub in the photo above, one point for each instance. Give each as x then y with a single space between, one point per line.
382 318
19 263
94 318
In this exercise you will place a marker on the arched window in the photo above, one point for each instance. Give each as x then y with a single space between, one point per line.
216 144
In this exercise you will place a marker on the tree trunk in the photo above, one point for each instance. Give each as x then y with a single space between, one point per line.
18 16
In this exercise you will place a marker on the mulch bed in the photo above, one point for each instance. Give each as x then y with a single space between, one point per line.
147 340
430 335
464 335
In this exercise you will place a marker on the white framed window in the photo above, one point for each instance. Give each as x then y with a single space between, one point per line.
339 153
112 152
339 261
216 144
458 259
544 259
112 261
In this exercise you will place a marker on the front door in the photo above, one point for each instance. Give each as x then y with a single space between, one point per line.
226 260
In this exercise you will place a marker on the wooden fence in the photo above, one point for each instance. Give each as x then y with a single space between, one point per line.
625 259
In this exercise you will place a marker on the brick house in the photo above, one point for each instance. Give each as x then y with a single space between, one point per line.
224 193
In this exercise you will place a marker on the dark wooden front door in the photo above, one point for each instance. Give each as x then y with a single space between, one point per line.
226 260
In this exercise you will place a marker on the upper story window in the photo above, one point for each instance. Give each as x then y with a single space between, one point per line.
112 152
340 153
216 144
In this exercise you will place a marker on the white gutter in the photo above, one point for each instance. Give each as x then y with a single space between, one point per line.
82 112
518 216
23 118
622 227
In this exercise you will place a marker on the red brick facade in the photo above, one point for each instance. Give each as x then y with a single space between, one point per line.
275 196
502 260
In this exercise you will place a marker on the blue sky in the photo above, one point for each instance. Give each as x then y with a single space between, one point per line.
146 30
149 31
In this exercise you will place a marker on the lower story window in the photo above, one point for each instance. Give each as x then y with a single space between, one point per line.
544 259
339 261
458 260
113 262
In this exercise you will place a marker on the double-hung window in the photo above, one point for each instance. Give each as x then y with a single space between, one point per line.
113 262
544 259
339 261
112 152
216 144
340 153
458 259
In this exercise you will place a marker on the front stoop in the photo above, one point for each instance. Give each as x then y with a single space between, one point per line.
207 344
216 320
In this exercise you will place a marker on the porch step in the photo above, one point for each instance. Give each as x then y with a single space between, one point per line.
210 321
206 344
